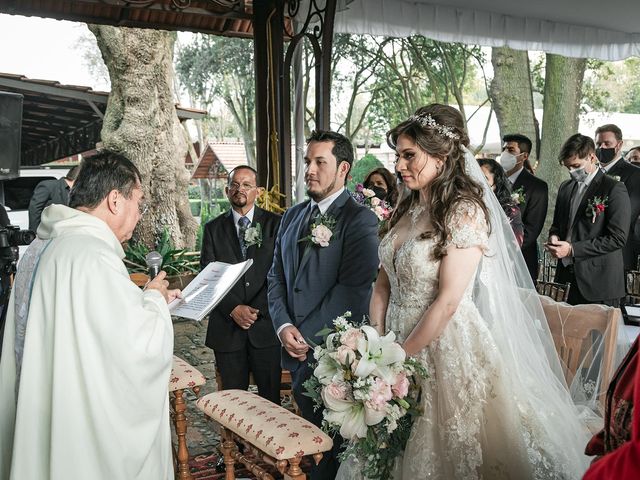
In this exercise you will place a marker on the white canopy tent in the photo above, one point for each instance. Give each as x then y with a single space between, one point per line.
606 30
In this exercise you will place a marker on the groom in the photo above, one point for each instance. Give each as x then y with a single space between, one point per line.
311 284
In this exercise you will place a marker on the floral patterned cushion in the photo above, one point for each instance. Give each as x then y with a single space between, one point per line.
271 428
184 376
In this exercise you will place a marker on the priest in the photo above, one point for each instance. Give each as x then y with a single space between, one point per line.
86 356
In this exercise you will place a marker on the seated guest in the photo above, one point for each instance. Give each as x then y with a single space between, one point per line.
590 227
618 444
383 183
89 353
501 186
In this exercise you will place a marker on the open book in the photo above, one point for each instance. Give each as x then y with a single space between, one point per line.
207 289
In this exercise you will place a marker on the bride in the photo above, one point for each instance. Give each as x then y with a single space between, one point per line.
455 289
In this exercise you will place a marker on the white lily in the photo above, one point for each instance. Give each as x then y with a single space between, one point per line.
348 414
326 369
378 353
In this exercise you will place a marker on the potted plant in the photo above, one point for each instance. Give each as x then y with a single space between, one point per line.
181 266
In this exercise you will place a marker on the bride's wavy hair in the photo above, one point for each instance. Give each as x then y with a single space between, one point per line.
438 130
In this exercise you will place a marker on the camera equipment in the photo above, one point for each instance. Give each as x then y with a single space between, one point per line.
11 238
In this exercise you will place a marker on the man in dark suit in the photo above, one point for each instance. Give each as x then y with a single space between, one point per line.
48 192
590 227
240 331
609 153
515 160
311 284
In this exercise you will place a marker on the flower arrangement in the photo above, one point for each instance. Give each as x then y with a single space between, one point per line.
321 230
615 177
596 207
368 391
518 196
253 236
367 197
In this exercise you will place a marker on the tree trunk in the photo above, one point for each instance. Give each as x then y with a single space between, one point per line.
512 96
562 94
141 123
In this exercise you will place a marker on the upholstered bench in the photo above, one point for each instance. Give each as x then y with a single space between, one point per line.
269 432
183 376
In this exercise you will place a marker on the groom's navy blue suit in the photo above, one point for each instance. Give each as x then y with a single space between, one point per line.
309 289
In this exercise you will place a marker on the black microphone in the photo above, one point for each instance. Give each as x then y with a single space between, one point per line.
154 262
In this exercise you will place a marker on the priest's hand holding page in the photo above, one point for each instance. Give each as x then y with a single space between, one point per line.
160 284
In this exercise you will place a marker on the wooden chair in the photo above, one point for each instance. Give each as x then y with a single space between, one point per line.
286 388
547 267
573 328
270 434
183 377
558 291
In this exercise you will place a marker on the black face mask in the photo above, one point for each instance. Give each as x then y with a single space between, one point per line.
605 155
380 192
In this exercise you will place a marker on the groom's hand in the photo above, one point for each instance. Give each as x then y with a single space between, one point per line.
294 343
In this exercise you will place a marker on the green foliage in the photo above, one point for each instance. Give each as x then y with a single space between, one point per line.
612 86
174 261
194 192
361 168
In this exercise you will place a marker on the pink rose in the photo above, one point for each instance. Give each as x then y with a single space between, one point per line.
345 355
350 338
380 394
337 390
321 235
401 386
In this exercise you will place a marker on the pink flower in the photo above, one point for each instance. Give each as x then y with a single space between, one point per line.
321 235
380 394
375 201
350 338
401 386
337 390
345 355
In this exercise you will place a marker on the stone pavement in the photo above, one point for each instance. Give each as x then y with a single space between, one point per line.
189 345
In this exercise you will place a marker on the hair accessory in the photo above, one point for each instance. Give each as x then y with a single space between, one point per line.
426 120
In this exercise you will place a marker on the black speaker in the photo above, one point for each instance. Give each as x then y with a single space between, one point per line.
10 127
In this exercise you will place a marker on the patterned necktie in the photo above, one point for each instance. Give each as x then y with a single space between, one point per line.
243 223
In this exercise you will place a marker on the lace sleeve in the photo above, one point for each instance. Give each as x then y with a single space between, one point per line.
467 226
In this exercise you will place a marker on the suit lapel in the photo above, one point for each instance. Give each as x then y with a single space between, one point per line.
591 190
231 235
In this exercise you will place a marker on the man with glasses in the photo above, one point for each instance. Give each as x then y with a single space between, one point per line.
87 355
240 330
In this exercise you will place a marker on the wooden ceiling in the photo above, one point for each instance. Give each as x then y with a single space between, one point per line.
61 120
219 17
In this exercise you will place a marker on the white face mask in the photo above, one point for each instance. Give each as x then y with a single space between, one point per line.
507 160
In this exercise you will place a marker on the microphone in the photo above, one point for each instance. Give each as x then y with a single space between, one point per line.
154 262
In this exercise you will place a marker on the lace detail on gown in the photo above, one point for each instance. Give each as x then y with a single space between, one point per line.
473 426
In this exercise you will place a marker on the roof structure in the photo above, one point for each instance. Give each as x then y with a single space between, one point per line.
218 159
62 120
219 17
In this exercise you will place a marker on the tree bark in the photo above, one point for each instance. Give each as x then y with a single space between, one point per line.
562 94
141 123
512 96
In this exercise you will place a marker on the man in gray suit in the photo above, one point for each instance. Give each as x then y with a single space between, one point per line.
311 284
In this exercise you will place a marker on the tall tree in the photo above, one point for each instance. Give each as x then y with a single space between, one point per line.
512 96
562 95
141 123
213 68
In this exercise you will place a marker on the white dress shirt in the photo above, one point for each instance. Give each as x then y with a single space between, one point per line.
514 176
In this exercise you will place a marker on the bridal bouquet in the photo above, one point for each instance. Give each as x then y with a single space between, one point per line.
367 389
367 197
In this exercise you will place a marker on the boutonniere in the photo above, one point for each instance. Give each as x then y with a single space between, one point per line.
615 177
367 197
518 196
253 236
321 230
596 207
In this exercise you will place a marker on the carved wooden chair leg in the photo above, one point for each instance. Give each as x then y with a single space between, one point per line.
180 425
295 472
228 447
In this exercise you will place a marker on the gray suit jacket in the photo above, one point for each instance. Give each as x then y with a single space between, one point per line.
46 193
328 281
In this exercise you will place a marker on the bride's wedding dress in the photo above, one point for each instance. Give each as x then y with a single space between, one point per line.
481 419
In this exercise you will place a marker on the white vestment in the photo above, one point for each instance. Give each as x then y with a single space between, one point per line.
92 398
